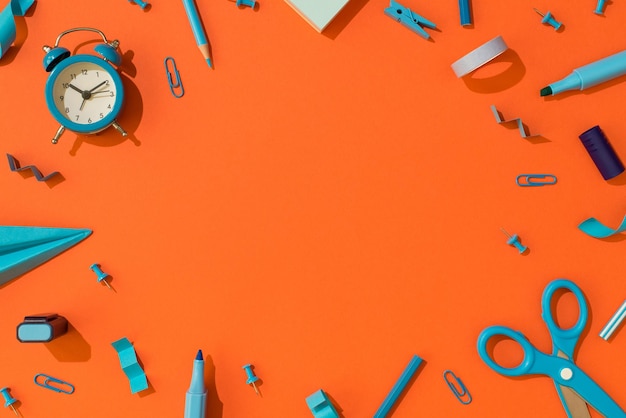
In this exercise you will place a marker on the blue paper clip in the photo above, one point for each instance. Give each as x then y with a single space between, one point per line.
174 82
409 19
460 392
534 180
60 386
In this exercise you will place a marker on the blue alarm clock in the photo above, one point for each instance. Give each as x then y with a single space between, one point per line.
84 92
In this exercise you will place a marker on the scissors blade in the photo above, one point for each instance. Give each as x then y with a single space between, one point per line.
574 405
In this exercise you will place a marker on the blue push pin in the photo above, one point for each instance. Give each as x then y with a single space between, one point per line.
547 18
251 377
599 7
249 3
514 240
102 276
9 400
140 3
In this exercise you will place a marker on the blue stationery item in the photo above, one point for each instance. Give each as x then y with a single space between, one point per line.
251 378
601 152
548 19
249 3
321 406
102 276
398 387
574 387
590 75
198 30
176 85
130 365
7 22
41 328
14 165
84 93
140 3
195 400
8 399
535 180
57 385
599 7
514 241
409 19
597 229
22 248
614 322
523 130
464 11
457 387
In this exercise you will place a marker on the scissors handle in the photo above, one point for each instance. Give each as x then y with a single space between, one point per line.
564 339
500 331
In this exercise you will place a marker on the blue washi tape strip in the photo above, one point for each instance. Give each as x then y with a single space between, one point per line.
7 22
597 229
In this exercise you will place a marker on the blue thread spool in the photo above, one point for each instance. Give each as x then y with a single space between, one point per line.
601 152
514 240
140 3
549 19
249 3
102 276
9 400
251 377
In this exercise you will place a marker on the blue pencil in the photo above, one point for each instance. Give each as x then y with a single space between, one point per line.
398 387
198 30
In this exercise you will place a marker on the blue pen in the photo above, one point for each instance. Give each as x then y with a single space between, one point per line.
198 30
195 401
590 75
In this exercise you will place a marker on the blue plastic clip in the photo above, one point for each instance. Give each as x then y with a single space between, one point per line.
534 180
174 82
60 386
461 392
321 406
249 3
409 19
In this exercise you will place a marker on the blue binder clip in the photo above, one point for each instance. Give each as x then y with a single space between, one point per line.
409 19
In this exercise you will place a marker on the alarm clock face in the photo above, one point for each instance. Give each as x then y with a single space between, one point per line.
84 93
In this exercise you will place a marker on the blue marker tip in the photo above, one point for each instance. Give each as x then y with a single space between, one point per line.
199 355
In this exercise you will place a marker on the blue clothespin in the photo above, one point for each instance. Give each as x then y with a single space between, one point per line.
409 19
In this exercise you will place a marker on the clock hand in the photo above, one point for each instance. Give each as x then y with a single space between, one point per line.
76 88
104 82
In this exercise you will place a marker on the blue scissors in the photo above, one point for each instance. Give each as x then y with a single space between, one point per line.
575 388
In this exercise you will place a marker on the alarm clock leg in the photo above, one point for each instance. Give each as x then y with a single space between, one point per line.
58 134
119 128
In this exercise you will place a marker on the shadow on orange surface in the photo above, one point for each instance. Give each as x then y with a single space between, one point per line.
491 78
215 408
344 17
71 347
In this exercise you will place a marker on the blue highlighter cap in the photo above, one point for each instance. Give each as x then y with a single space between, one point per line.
602 153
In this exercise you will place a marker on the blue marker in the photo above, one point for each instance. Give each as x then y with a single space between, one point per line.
590 75
195 401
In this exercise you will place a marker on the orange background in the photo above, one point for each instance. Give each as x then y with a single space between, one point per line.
322 206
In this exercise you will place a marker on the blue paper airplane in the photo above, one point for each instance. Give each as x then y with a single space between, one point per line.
22 248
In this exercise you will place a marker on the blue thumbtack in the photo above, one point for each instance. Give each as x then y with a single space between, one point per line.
547 18
599 7
140 3
251 377
9 400
102 276
514 240
249 3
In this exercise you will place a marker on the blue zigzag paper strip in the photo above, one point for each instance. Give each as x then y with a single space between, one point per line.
14 165
22 248
523 131
130 365
597 229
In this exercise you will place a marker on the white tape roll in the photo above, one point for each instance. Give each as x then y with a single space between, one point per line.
479 57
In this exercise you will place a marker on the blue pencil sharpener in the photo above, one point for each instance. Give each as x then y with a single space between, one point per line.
41 328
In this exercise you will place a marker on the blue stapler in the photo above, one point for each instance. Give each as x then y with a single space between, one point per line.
409 19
